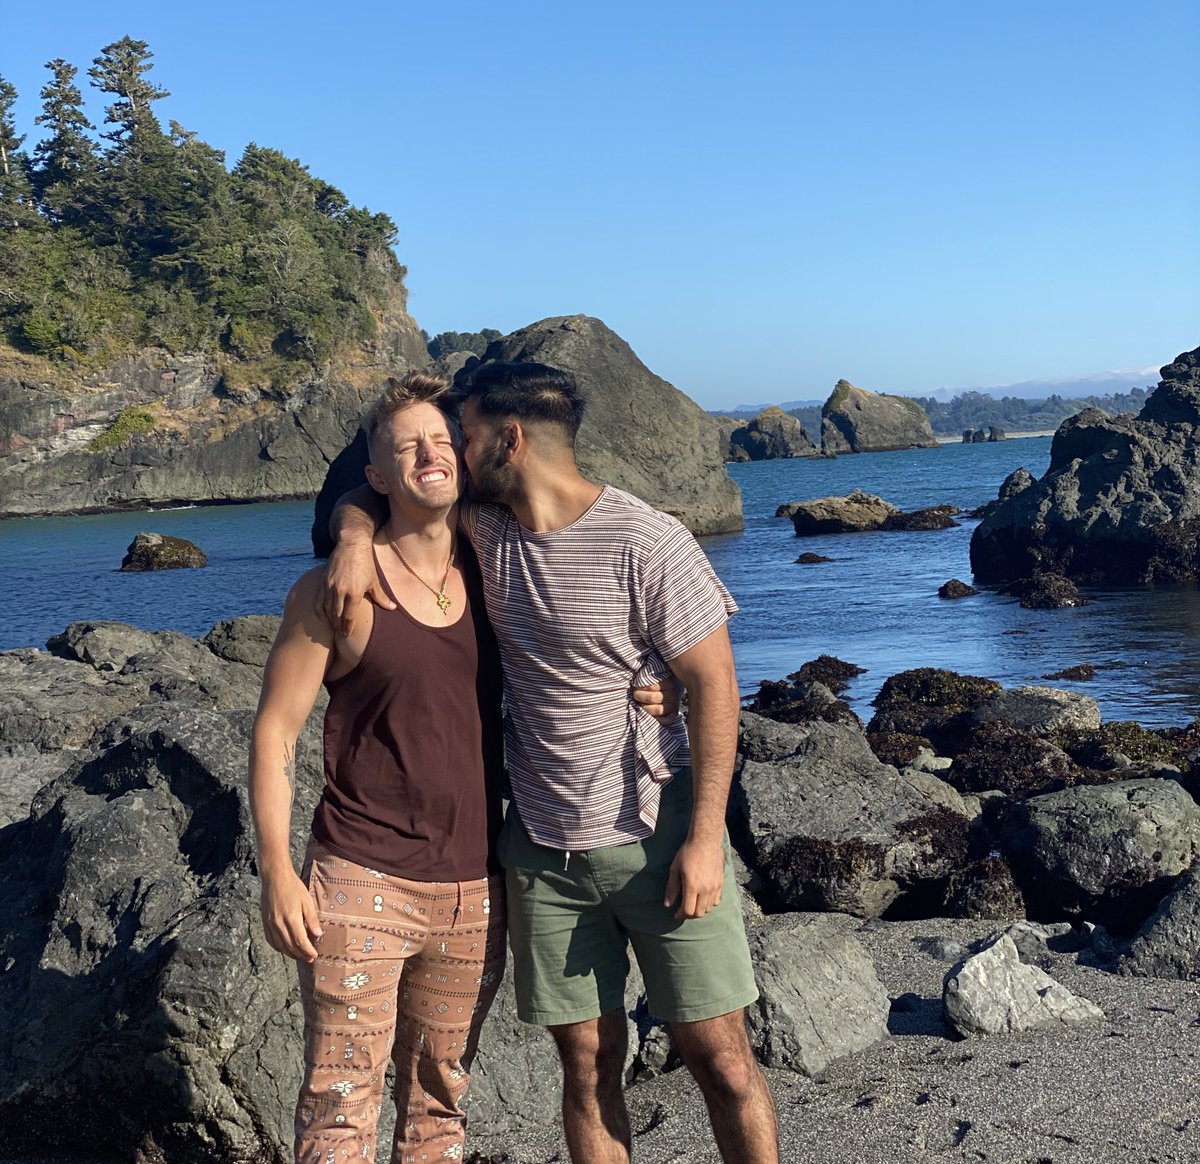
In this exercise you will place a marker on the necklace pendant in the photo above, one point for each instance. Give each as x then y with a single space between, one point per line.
443 604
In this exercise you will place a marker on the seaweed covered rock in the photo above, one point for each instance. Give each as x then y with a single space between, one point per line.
896 748
1121 744
933 518
155 551
1045 711
984 889
954 588
1013 761
1045 591
933 703
835 673
800 702
830 828
1104 852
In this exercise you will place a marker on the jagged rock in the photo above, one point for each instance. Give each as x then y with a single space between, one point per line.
956 589
1104 852
1042 710
968 436
993 992
819 997
155 551
996 433
771 435
857 512
979 437
856 421
830 828
639 433
1120 501
801 701
1168 944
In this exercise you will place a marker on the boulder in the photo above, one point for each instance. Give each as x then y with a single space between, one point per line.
771 435
932 703
934 517
993 992
155 551
996 433
1042 710
831 828
1045 592
1011 760
810 559
857 512
1168 944
1120 501
820 999
244 640
1079 672
639 433
1105 852
984 889
854 420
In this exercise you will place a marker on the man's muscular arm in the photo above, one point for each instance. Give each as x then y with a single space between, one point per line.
291 680
351 575
707 672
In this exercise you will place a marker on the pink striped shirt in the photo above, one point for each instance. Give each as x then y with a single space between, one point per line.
583 615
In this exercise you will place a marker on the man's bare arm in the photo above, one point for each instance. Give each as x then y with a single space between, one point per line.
350 575
707 672
291 680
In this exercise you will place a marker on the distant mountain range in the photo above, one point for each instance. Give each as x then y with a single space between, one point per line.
1068 387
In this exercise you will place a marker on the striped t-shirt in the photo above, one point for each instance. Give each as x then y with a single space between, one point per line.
583 615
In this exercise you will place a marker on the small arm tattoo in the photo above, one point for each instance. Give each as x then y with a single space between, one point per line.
289 767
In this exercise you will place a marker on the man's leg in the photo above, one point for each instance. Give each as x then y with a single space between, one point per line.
717 1052
595 1119
445 994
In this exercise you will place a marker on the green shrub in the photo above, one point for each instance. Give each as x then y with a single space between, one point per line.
130 422
41 333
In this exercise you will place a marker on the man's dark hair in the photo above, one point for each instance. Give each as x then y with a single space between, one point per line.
527 392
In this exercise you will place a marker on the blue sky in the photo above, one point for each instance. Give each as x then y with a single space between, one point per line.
760 198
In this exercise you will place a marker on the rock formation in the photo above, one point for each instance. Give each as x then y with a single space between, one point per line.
854 420
639 432
159 429
771 435
155 551
860 512
1120 502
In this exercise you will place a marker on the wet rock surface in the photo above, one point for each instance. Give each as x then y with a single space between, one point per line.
155 551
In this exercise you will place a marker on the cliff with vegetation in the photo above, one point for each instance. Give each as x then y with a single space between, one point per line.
171 329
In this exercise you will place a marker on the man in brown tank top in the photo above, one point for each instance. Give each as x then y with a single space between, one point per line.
397 919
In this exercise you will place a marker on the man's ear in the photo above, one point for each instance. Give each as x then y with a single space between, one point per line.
375 480
514 439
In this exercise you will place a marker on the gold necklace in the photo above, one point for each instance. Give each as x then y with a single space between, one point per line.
443 600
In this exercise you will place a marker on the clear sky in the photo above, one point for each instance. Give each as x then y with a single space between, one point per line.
761 197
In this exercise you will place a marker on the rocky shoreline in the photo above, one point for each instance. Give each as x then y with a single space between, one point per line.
970 859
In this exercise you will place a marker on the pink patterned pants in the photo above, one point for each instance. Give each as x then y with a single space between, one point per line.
406 971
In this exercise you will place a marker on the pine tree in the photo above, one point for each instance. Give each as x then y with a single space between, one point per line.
65 158
120 70
16 197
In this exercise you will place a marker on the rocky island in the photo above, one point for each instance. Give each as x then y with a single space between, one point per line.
854 420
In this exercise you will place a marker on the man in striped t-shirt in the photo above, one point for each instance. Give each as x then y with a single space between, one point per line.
616 830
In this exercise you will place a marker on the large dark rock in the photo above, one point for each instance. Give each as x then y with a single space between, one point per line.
1168 944
856 421
1105 853
933 703
204 442
771 435
639 432
155 551
831 828
1120 502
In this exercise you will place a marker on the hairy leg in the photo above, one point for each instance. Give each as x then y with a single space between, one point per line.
718 1054
594 1115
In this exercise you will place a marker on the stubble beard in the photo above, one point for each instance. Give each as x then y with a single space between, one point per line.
490 481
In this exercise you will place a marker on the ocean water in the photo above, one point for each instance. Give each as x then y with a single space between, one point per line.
875 604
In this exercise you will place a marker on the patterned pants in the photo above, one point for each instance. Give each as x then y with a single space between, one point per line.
405 970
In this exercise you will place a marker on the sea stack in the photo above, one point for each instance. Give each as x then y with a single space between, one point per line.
854 420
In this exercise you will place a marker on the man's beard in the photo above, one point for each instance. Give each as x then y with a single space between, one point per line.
492 478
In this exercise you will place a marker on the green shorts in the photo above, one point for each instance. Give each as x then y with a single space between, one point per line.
571 921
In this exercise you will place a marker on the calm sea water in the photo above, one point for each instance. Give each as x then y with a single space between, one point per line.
875 604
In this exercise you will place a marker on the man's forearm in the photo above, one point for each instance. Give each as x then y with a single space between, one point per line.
712 726
272 792
358 514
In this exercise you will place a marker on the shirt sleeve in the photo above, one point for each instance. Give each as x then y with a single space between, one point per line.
683 599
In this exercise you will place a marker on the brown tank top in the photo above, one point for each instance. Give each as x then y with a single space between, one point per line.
413 746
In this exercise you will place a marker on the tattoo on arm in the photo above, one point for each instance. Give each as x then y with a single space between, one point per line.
289 767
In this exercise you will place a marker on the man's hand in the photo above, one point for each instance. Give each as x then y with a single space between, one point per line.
696 879
660 699
350 577
289 916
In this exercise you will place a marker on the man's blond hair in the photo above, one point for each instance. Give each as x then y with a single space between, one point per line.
403 392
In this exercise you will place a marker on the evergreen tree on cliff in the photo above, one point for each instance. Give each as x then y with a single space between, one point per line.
16 195
68 156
